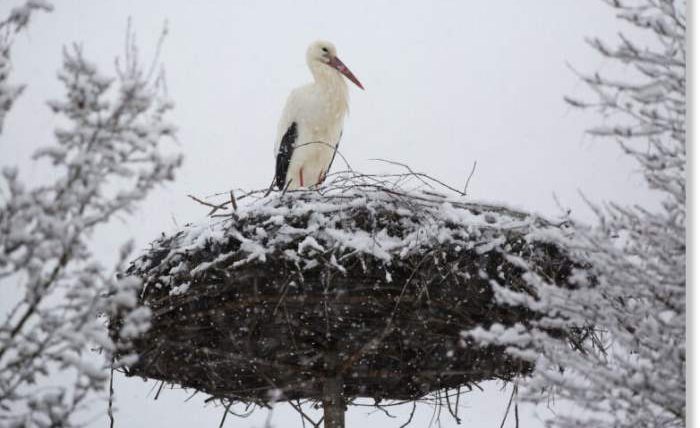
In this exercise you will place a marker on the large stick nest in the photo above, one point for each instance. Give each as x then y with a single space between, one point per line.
359 280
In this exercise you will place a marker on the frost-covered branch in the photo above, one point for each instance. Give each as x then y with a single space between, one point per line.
632 373
110 153
16 21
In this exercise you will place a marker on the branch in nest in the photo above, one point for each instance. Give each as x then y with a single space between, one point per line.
214 207
234 205
466 185
421 176
303 414
510 402
410 417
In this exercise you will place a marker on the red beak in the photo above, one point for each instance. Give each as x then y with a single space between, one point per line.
336 63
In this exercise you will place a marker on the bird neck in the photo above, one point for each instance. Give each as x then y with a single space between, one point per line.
331 81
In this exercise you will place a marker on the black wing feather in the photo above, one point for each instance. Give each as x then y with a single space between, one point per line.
284 155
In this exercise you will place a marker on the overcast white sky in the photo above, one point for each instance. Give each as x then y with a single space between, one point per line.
447 83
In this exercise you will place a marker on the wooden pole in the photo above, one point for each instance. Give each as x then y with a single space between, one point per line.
333 402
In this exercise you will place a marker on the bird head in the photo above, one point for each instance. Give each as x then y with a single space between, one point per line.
325 53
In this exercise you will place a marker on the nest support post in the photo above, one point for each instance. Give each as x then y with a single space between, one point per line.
333 401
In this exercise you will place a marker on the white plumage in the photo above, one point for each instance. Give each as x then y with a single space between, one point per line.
312 121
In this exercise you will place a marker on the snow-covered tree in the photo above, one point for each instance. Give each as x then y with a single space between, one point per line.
16 21
110 151
631 372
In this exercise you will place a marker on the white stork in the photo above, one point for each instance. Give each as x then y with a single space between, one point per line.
312 121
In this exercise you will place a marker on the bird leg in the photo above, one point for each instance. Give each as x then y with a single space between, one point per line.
321 178
301 177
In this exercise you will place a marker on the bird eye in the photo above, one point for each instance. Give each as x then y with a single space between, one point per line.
324 50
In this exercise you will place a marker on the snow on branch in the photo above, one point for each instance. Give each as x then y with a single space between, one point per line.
16 21
632 372
111 151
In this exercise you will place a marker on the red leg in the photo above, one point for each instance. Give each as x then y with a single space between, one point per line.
301 177
321 178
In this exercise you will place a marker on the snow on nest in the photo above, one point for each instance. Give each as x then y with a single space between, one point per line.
300 226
